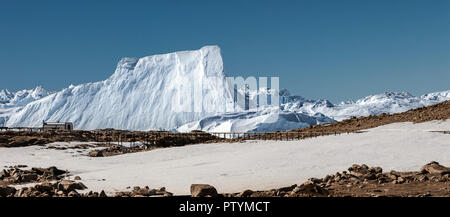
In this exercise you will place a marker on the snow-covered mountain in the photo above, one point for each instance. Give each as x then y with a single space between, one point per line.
22 97
158 92
389 102
297 112
11 102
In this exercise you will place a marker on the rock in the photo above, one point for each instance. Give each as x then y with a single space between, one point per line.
392 176
422 178
290 188
6 191
245 193
29 177
73 194
95 153
310 189
447 177
20 192
4 173
358 170
144 192
400 180
376 170
77 178
55 171
102 194
203 190
435 168
67 185
45 187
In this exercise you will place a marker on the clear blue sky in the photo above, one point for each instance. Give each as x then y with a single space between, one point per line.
336 50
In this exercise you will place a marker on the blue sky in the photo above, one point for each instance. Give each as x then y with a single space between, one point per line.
336 50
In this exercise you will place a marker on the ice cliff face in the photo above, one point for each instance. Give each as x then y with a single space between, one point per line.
185 91
153 92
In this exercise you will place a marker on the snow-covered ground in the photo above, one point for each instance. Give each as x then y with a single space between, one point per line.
256 165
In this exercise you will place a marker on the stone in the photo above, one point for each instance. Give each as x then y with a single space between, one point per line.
311 188
102 194
95 153
245 193
44 187
422 178
29 177
56 172
376 170
67 185
358 170
73 194
435 168
6 191
203 190
77 178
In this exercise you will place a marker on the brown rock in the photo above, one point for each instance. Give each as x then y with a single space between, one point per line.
95 153
245 193
376 170
29 177
67 185
73 194
77 178
6 191
102 194
435 168
358 170
203 190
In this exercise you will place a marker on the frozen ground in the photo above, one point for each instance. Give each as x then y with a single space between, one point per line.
257 165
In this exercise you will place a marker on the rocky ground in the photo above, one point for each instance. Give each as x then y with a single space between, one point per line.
432 180
104 137
53 182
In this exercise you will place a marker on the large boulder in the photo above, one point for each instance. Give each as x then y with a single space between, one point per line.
203 190
435 168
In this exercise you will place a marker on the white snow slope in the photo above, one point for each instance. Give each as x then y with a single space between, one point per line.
257 165
142 94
